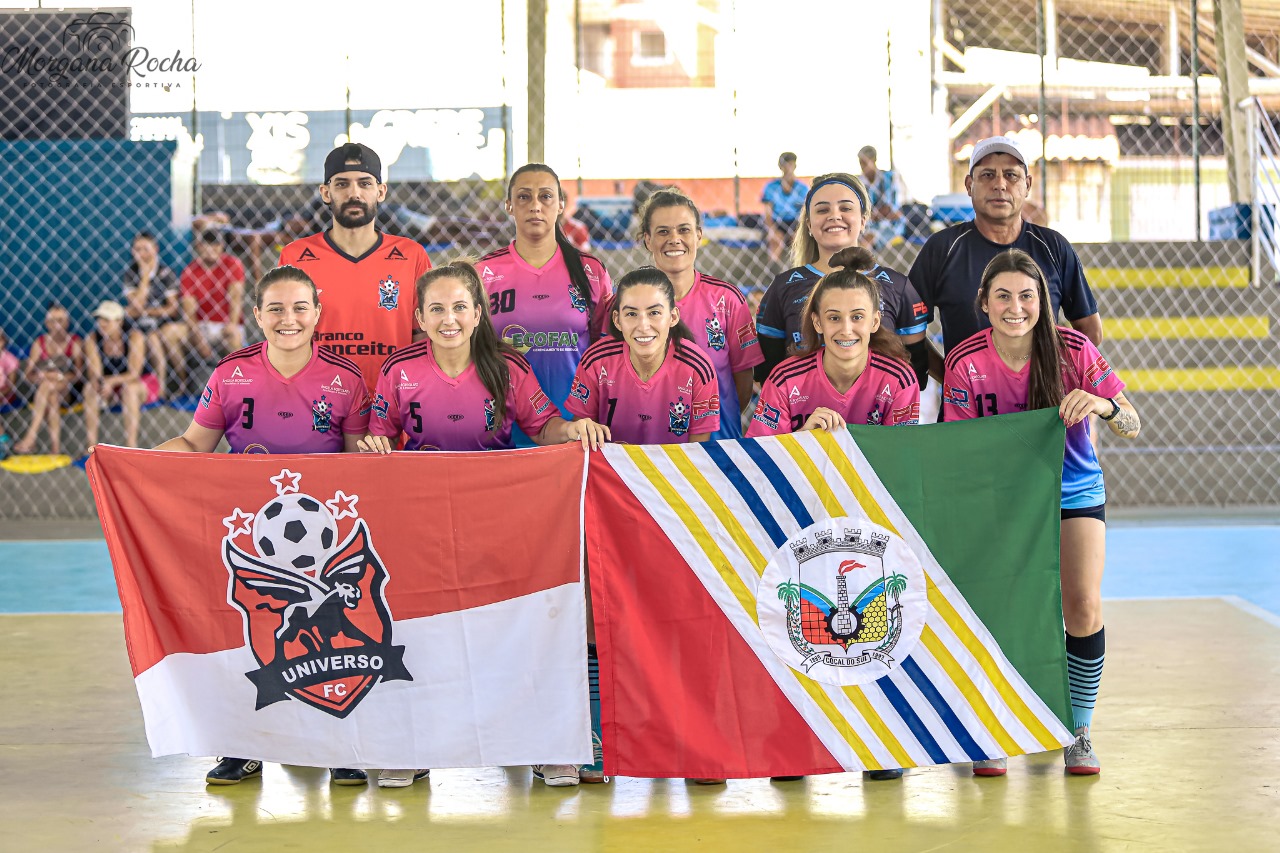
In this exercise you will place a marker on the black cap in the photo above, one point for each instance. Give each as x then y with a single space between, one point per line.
210 235
352 157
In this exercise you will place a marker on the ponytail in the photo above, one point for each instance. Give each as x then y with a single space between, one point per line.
846 275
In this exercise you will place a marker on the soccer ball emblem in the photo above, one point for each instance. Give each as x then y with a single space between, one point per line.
295 532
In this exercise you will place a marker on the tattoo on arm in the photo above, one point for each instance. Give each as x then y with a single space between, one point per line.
1125 423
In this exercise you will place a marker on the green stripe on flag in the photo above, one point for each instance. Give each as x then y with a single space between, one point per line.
984 495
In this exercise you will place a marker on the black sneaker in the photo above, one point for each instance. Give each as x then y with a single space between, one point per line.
347 776
885 775
233 771
786 778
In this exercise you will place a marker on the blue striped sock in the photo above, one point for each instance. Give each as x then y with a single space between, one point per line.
593 684
1085 656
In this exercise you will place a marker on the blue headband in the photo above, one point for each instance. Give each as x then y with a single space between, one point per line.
808 198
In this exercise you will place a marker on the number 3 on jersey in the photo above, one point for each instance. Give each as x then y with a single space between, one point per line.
246 414
502 302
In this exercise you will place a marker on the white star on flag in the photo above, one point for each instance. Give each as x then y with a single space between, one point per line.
279 480
238 522
343 505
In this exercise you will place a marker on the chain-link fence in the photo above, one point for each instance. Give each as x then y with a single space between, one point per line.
180 122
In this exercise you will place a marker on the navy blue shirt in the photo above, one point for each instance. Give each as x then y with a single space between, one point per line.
948 271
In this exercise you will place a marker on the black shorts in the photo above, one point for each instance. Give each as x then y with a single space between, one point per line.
786 229
1099 512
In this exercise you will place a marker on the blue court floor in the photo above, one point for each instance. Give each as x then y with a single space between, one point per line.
1146 561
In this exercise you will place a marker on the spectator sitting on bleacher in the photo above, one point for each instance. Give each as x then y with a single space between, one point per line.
885 221
115 359
54 367
212 301
150 297
9 364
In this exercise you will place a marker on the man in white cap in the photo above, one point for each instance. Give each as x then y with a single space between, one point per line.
949 267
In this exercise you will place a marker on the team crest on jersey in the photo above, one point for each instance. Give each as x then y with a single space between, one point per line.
389 294
874 418
321 414
678 417
843 601
313 605
490 415
576 299
715 333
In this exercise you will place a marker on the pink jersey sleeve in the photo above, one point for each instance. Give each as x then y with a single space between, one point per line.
385 415
1093 372
906 406
772 415
957 394
209 410
357 421
706 400
583 396
531 407
744 349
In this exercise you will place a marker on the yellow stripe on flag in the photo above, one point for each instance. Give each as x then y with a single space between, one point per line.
956 673
993 673
810 471
747 600
853 479
680 458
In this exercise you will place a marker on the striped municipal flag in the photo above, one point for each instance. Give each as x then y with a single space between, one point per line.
822 602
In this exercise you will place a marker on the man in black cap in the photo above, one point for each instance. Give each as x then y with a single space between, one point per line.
949 268
367 279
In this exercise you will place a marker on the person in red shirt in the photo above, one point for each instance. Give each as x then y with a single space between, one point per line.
212 288
367 278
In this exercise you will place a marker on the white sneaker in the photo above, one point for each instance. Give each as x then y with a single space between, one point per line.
400 778
557 775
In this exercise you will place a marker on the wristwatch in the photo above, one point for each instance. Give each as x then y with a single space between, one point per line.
1115 409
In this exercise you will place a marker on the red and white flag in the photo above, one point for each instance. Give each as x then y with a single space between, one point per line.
418 610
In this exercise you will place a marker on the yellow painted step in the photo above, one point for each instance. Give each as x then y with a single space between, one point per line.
1153 328
1204 379
1099 277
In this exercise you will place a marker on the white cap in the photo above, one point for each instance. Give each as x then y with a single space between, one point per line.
109 310
996 145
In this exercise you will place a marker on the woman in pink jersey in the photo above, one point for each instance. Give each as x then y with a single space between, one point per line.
1025 361
55 365
850 370
650 384
648 381
462 388
546 299
285 395
715 311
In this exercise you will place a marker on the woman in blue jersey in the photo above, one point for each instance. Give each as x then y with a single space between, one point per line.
833 216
